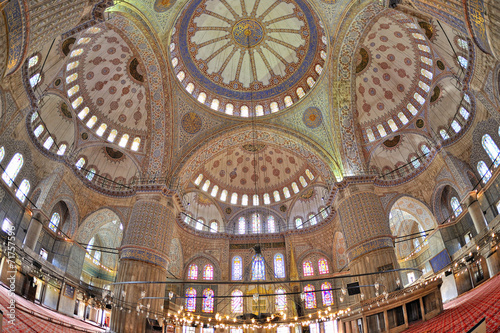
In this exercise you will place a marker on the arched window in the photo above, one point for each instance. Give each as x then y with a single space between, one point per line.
491 149
123 140
35 79
22 191
392 125
48 143
425 150
101 129
214 226
256 223
199 224
463 44
286 192
381 130
193 272
206 185
403 118
276 195
312 219
258 268
415 162
271 226
298 223
259 110
300 92
234 198
483 171
38 130
223 195
323 266
267 199
295 187
229 108
456 126
208 272
71 78
310 300
242 225
202 97
443 134
33 61
255 199
244 111
327 294
91 122
97 257
13 168
302 181
237 301
279 266
136 143
198 179
80 163
112 135
308 268
237 269
244 200
215 104
463 62
280 299
455 206
76 103
190 87
190 300
2 153
83 113
90 175
369 134
464 113
208 301
215 189
54 222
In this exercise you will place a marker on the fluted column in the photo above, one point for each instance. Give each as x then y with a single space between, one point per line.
367 233
34 230
143 257
475 212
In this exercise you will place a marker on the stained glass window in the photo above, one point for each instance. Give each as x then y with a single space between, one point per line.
76 53
295 188
425 149
392 125
300 92
199 224
101 129
455 206
193 272
234 198
274 107
13 168
255 199
467 98
23 190
72 65
271 226
310 82
241 225
190 87
48 143
244 200
237 301
198 179
237 268
244 111
286 192
202 97
279 266
91 122
190 300
256 224
369 134
381 130
323 266
80 163
54 222
84 40
302 181
327 294
424 86
181 75
288 101
215 104
2 153
83 113
426 60
34 116
267 199
123 140
298 223
229 108
491 149
208 301
258 268
308 268
208 272
419 99
76 103
483 171
463 44
280 300
424 48
426 73
214 226
310 300
259 110
415 162
223 195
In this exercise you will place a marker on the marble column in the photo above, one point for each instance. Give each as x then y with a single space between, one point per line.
34 230
143 257
367 233
475 212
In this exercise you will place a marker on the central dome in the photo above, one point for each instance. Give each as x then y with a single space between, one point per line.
248 57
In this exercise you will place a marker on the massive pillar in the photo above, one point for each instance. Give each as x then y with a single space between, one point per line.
34 230
475 212
367 233
143 257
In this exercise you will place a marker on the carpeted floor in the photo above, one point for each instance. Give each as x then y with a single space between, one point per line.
461 314
45 321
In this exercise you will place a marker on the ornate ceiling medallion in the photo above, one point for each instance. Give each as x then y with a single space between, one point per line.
248 57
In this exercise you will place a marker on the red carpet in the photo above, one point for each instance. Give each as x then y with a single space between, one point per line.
461 314
44 321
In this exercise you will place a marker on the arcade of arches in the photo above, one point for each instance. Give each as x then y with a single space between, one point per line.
236 165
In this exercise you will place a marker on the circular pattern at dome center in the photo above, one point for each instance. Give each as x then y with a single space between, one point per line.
247 57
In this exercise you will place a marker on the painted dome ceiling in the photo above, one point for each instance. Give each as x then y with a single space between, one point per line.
248 57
